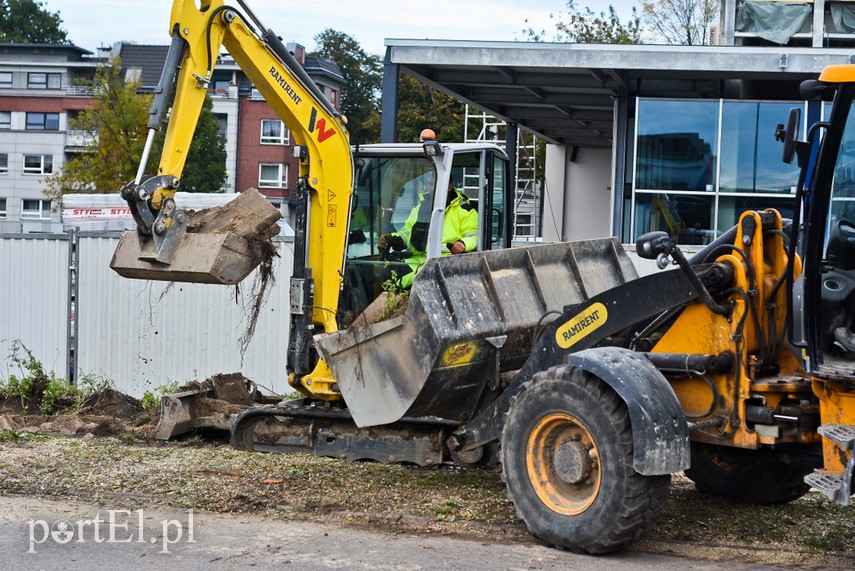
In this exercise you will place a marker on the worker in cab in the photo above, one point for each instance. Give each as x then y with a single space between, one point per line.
459 232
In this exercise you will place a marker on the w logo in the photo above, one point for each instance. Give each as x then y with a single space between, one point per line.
320 125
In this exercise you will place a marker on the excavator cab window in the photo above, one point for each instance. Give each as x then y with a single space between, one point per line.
386 191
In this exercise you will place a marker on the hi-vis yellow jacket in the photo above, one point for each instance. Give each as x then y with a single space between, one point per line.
460 223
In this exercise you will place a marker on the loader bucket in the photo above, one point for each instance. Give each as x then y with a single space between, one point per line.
221 246
467 315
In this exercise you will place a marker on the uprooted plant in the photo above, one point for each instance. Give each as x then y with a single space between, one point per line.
41 391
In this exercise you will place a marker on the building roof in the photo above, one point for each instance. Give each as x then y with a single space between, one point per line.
67 52
147 58
150 59
323 67
566 92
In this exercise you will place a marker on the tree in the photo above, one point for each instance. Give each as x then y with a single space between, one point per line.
421 107
116 128
205 169
363 75
588 27
27 21
683 22
115 125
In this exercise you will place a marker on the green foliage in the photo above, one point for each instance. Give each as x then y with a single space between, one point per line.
116 125
421 107
28 22
588 27
363 75
51 394
9 436
205 169
151 399
682 22
24 385
396 296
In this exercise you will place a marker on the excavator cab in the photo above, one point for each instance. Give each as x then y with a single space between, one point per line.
391 182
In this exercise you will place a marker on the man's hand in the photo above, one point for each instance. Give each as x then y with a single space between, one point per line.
392 241
457 247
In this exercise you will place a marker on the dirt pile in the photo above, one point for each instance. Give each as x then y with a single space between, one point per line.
106 412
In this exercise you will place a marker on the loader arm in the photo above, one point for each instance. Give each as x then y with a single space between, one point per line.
319 132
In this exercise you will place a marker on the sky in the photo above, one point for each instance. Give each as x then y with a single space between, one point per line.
94 23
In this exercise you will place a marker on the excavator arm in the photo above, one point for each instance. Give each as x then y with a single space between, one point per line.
165 239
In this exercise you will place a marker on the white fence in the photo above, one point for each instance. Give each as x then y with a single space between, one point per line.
34 288
139 334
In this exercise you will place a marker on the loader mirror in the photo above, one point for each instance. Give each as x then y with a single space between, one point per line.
651 245
811 89
790 134
432 148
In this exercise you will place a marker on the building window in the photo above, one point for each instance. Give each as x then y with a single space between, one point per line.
5 80
2 208
272 175
133 75
5 119
273 132
700 164
4 163
334 97
44 81
42 122
34 209
38 164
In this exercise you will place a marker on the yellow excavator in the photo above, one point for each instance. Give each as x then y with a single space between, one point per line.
589 384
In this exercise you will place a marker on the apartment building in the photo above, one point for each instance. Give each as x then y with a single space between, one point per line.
40 93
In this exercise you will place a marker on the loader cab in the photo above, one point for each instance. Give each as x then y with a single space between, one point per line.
829 316
401 189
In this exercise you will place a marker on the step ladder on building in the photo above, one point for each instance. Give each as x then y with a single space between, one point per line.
480 127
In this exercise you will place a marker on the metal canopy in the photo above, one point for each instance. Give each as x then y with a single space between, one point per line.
566 93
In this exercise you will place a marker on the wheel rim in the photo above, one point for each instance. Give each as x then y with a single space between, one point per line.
563 464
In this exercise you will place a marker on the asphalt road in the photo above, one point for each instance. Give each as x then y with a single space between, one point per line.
57 534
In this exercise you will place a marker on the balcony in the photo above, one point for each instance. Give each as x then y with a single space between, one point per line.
81 91
77 140
230 92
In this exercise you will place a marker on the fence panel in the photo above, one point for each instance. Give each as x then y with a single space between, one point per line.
145 334
35 299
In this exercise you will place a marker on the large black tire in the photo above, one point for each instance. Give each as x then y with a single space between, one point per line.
745 476
567 461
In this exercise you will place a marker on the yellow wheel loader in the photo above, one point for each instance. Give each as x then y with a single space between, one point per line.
590 384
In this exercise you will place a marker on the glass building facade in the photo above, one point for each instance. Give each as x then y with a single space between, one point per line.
696 165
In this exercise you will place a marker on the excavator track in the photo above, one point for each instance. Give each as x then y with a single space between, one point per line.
331 432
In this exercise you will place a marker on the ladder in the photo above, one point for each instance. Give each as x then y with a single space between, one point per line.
481 127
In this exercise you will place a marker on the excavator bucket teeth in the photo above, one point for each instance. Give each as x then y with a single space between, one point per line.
222 245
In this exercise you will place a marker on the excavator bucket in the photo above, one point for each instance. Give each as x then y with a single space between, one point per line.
222 245
466 316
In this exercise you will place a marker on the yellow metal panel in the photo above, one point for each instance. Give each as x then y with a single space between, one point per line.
836 406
